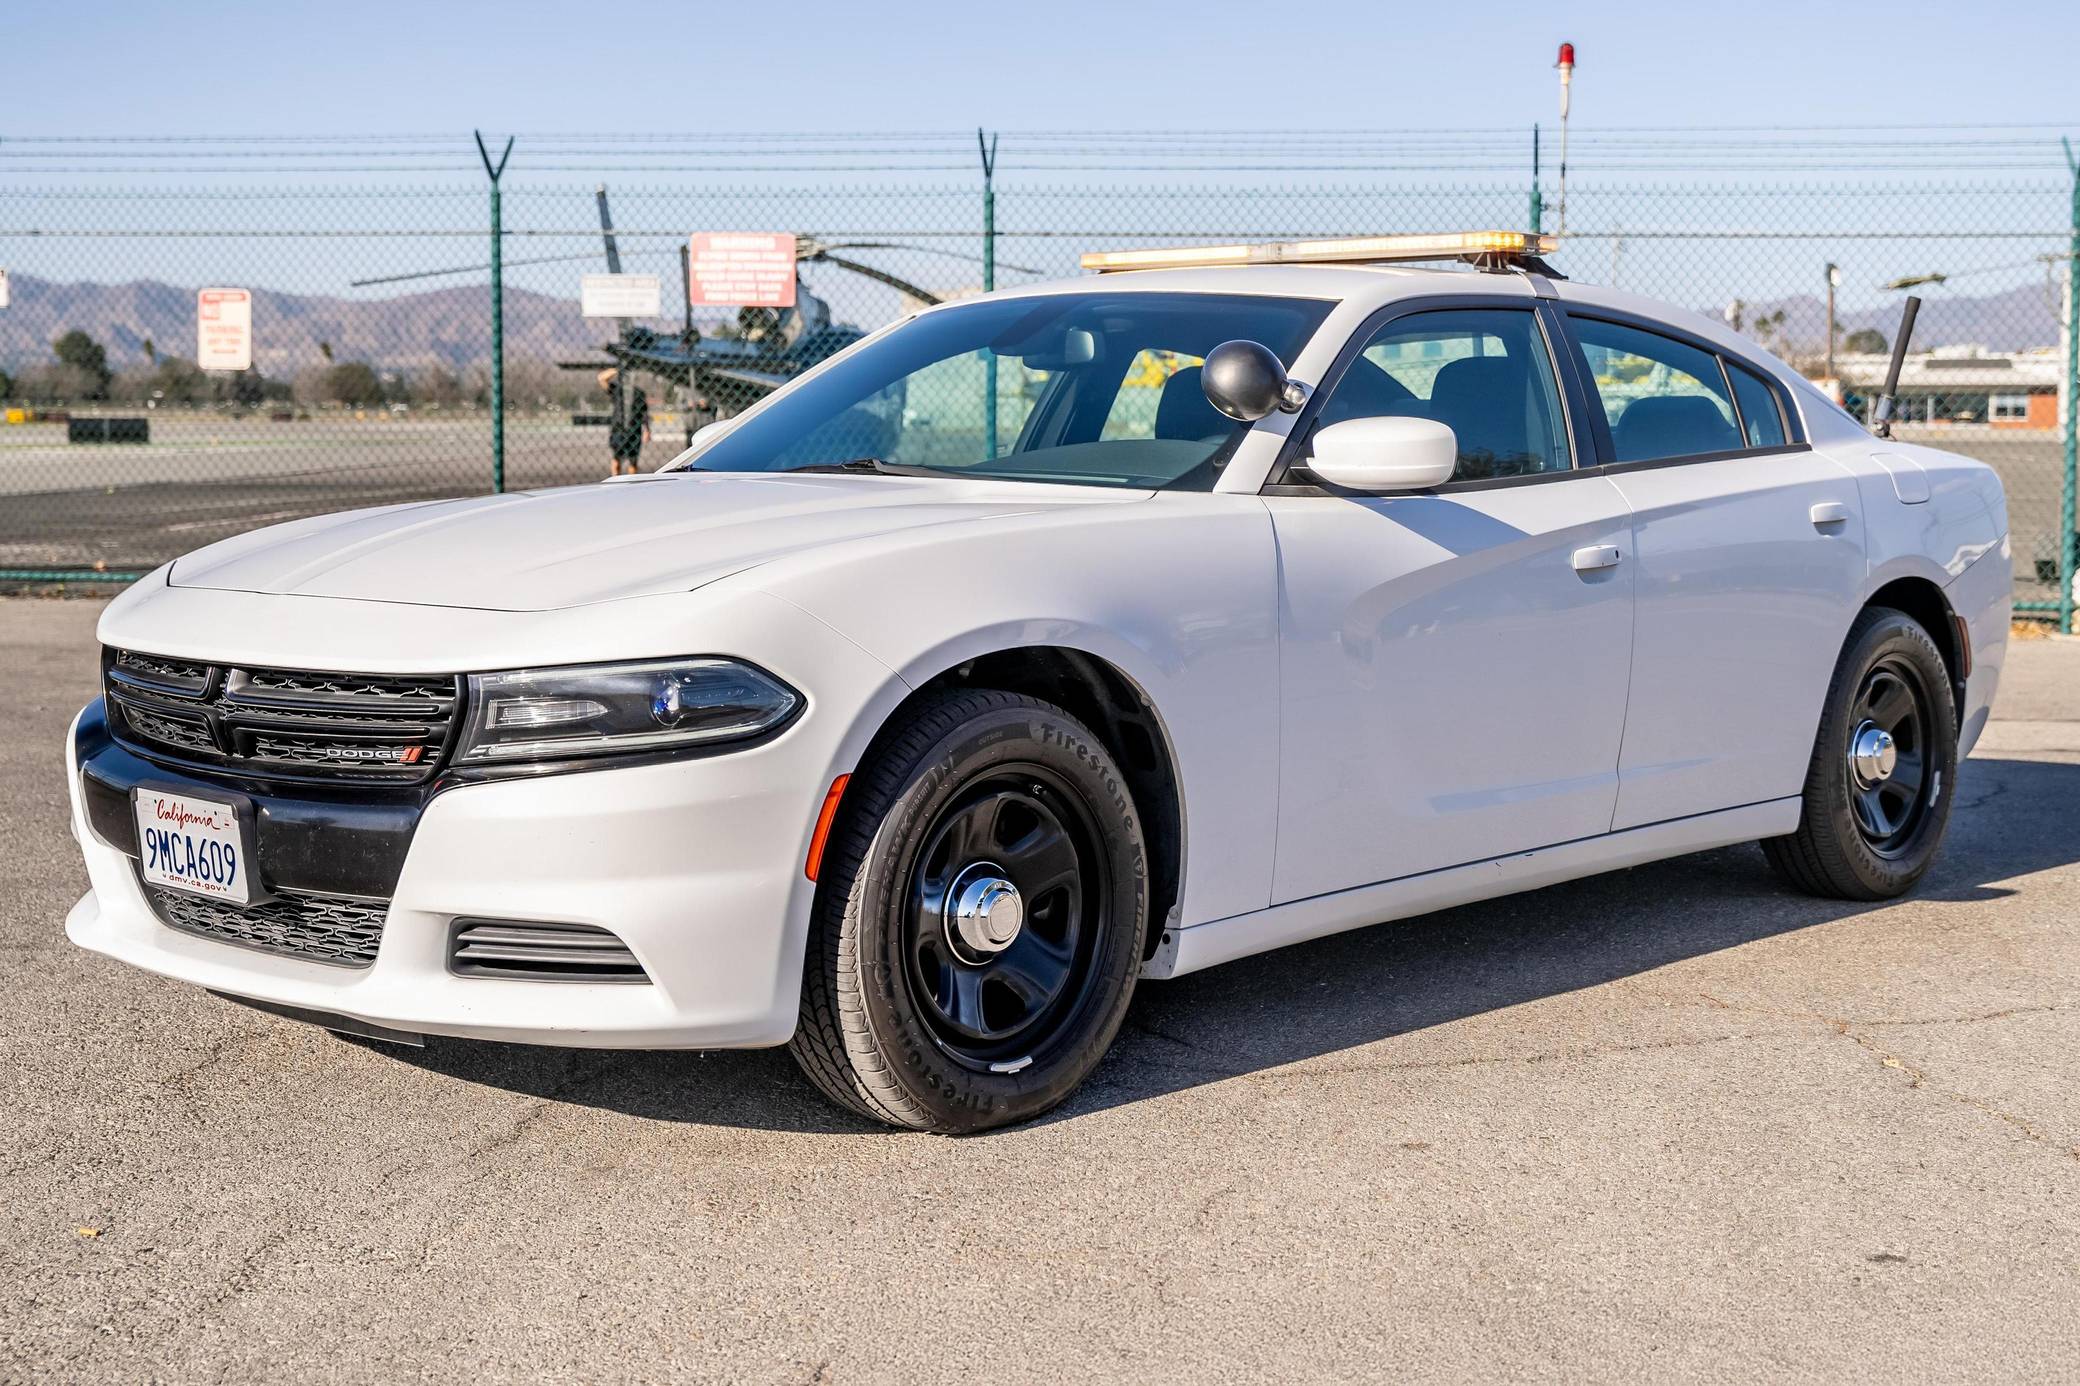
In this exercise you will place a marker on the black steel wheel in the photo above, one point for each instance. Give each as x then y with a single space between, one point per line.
979 917
1006 913
1880 782
1886 757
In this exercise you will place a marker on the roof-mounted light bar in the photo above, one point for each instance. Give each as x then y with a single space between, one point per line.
1477 246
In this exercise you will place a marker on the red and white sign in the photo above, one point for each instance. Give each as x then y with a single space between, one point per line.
741 269
224 329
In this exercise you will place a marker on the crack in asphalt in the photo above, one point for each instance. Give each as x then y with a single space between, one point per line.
577 1074
218 1050
1917 1077
1850 1029
1995 790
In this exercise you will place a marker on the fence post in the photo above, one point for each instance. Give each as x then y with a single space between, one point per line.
498 315
988 150
2068 540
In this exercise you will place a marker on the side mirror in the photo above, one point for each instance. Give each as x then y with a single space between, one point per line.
1245 381
1385 454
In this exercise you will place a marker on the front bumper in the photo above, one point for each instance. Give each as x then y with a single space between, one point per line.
695 864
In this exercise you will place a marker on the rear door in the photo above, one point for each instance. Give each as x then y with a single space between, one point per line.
1452 664
1748 560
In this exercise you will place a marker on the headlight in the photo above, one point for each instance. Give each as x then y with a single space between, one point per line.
615 709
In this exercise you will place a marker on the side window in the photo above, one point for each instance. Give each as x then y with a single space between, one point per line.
1661 397
1759 408
1484 372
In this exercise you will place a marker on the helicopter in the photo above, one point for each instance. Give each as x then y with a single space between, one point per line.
725 373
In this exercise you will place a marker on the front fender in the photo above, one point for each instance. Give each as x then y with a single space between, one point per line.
1178 593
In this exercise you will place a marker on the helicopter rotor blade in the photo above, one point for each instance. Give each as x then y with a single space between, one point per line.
606 231
882 276
923 250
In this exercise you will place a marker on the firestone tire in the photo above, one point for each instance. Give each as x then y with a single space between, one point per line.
980 912
1884 769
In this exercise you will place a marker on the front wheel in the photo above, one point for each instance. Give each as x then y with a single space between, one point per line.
979 918
1878 789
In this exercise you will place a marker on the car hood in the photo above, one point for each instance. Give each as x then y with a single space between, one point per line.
539 550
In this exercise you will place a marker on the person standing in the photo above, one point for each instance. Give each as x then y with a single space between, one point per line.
628 429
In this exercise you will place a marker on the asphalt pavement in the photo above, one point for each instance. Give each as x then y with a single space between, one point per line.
1671 1123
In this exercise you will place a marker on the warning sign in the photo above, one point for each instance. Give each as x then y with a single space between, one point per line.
619 296
224 329
741 269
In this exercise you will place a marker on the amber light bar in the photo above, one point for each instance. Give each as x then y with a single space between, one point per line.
1347 250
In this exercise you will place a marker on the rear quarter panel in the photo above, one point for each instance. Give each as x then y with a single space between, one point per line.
1942 517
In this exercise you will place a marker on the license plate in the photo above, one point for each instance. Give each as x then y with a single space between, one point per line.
192 844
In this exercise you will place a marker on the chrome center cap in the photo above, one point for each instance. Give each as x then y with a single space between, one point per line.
1872 755
983 911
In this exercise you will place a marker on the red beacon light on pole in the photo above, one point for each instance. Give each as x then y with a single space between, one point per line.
1566 66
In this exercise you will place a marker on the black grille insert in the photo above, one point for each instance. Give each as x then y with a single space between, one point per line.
341 930
535 952
284 723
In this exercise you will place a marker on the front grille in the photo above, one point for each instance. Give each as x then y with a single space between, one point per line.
283 723
185 733
540 952
336 929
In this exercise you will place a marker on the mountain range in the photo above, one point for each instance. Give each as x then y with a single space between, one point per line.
451 327
2024 318
446 327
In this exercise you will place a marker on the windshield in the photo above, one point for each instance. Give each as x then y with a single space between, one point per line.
1098 388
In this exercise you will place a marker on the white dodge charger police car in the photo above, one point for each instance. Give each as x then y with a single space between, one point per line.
1041 643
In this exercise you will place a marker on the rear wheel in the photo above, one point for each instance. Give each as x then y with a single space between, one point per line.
1878 789
979 920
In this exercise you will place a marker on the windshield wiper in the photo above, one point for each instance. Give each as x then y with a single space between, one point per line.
876 465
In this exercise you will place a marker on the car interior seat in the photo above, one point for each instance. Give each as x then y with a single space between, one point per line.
1183 411
1672 426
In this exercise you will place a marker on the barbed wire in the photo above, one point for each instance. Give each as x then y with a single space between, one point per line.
1979 148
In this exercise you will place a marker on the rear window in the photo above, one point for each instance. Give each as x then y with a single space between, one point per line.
1661 397
1759 408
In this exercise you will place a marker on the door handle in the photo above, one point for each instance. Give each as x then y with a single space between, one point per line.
1827 513
1596 556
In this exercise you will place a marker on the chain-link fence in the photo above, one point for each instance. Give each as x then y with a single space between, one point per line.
371 373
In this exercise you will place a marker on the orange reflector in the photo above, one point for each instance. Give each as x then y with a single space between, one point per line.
824 817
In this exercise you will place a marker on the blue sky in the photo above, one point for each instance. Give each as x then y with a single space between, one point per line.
131 68
704 69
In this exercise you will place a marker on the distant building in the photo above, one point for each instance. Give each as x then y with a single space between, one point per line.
1960 385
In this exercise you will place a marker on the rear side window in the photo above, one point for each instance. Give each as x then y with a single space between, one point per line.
1759 409
1662 398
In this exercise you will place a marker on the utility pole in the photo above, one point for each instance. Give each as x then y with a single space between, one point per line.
1834 281
498 315
1566 66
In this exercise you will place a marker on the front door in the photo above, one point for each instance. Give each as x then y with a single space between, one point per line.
1453 664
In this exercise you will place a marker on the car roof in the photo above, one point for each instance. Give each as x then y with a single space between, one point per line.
1375 286
1380 283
